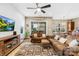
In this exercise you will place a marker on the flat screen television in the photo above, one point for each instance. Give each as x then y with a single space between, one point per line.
6 24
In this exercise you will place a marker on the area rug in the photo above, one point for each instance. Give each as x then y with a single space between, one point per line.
34 50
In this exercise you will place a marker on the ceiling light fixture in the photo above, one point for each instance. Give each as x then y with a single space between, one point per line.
38 9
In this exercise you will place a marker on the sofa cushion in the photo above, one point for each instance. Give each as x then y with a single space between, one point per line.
68 41
43 35
45 41
56 37
35 34
62 40
73 43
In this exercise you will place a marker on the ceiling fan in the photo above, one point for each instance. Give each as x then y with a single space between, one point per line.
39 8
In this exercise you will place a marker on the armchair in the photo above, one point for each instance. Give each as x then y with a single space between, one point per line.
37 37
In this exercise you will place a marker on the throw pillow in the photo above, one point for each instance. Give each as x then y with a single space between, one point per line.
56 37
62 40
73 43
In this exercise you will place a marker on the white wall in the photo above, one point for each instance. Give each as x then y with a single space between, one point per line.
9 11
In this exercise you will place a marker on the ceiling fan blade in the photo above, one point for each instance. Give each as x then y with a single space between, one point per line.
35 12
37 4
43 11
30 8
46 6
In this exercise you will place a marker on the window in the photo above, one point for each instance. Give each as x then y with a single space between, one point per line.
38 26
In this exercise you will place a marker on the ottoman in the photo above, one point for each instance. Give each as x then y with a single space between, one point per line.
45 43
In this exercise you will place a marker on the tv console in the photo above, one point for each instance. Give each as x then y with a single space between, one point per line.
8 43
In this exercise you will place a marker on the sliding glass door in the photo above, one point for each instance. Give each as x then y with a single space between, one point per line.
38 26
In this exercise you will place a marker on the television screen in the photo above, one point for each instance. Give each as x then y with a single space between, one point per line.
6 24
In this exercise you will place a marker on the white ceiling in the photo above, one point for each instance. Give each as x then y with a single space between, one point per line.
57 10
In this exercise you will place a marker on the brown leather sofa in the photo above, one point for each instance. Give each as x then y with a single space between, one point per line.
63 48
58 47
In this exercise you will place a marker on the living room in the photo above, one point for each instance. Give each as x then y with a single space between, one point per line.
39 29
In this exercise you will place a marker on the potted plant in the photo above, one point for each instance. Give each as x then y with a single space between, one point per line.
26 34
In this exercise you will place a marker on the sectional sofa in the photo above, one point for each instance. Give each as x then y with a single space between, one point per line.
66 45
